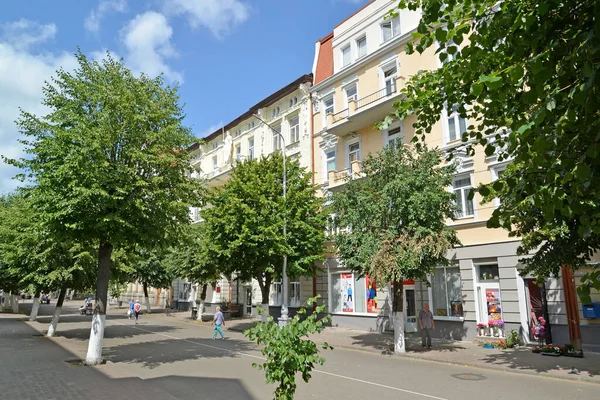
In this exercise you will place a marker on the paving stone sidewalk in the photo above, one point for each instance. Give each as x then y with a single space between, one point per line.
465 353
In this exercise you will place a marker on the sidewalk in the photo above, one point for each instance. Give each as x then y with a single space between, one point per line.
464 353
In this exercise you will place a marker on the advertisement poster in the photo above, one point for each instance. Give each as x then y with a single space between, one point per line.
347 292
493 304
371 288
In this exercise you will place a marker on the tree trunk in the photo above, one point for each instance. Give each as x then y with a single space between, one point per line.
202 301
264 282
145 286
94 353
36 306
57 310
398 315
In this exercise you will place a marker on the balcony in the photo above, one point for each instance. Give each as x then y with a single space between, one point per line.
339 178
366 111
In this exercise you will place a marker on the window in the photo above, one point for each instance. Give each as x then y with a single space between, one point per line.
294 294
328 107
294 129
251 148
456 124
275 112
351 93
277 137
238 152
446 292
361 46
353 152
346 56
389 78
238 132
394 137
390 28
462 186
214 160
215 145
330 161
276 293
488 272
250 125
352 294
332 225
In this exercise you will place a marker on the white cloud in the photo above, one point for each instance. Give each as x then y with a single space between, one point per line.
148 41
22 76
218 16
92 22
23 34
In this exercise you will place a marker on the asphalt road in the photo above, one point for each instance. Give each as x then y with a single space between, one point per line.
180 360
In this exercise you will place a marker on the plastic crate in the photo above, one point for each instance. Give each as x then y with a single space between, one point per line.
591 311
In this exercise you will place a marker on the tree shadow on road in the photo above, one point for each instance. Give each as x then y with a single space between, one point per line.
192 388
525 359
115 331
168 351
71 318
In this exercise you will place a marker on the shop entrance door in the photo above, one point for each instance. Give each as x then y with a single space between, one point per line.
490 303
410 309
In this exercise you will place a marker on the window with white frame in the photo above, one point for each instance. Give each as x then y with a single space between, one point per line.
361 46
250 125
276 294
446 292
456 124
330 161
332 225
294 293
394 137
328 105
390 28
294 129
238 152
251 148
277 137
346 56
497 172
351 93
351 293
215 144
275 112
462 187
214 163
390 71
353 152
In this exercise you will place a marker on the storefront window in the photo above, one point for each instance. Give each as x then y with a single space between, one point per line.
446 292
352 294
494 306
488 273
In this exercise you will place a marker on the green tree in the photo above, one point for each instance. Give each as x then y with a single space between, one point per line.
289 349
190 259
151 270
243 229
109 165
527 73
394 220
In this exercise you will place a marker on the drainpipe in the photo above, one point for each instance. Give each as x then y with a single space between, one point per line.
312 161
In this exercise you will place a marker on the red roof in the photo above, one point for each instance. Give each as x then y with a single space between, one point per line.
325 59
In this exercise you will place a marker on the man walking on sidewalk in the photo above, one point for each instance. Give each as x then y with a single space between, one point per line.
217 322
427 325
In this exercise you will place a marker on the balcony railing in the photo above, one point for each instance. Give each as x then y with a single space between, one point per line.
337 178
374 97
339 115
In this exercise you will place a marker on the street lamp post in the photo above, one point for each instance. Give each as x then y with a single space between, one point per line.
283 320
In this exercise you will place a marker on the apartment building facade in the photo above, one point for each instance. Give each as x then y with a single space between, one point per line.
359 70
287 112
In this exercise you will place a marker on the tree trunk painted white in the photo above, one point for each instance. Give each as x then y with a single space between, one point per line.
35 308
57 310
94 353
147 298
14 303
399 346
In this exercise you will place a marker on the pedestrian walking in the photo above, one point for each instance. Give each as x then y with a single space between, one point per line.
427 325
136 310
130 309
218 321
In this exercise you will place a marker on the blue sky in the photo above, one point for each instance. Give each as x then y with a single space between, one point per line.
227 54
